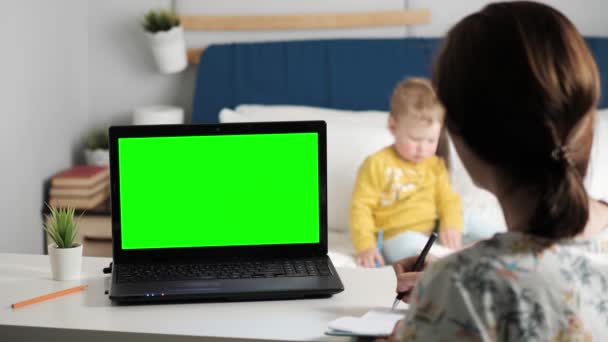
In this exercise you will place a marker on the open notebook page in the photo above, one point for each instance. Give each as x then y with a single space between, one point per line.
376 322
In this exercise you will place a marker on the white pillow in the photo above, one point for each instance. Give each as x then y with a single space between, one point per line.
294 113
228 115
351 137
596 181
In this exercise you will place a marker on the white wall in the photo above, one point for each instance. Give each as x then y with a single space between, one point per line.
69 65
66 66
43 101
122 73
589 16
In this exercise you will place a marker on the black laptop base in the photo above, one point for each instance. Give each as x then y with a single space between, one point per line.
271 279
240 297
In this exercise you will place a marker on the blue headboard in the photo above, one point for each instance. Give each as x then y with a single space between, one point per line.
353 74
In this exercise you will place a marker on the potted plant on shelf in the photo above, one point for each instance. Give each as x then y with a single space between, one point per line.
65 255
166 37
96 148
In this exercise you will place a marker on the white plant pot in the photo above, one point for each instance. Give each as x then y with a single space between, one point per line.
169 49
66 263
98 156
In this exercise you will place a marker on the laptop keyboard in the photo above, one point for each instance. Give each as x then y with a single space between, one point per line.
127 273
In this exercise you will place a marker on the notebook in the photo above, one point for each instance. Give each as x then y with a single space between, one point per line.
220 212
377 322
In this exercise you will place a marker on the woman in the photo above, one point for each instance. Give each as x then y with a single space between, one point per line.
520 89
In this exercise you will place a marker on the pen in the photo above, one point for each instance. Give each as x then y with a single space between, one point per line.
417 265
49 296
379 245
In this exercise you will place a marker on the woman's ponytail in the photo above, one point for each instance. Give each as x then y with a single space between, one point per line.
562 210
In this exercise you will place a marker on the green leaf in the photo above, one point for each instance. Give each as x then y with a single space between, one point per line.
160 20
97 138
61 226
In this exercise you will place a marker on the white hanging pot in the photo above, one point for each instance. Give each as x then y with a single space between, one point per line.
169 49
98 157
66 263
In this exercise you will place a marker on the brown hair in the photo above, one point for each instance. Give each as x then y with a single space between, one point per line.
520 87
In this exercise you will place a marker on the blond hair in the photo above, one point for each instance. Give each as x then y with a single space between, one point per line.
415 98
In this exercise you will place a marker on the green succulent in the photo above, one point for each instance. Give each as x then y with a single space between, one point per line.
61 226
160 20
97 139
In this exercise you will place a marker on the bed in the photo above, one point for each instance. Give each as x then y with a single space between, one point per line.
347 82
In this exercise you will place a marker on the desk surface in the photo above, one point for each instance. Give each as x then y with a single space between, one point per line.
92 314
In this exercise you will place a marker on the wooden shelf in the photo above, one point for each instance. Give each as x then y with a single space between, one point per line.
301 22
307 21
194 55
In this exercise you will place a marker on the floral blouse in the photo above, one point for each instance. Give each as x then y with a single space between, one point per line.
514 287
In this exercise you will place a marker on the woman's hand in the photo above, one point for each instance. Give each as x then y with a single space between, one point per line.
369 257
406 279
451 238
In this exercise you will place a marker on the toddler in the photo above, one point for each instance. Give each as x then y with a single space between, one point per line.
403 189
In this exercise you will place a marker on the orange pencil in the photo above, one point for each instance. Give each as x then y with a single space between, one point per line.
49 296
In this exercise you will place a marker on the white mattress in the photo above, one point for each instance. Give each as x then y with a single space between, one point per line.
341 249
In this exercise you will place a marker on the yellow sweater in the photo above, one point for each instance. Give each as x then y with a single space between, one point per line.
395 195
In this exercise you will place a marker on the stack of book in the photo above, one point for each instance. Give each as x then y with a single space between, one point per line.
80 187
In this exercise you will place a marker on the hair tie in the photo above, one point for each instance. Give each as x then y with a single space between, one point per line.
561 154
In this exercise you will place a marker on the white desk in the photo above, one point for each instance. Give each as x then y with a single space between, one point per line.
90 316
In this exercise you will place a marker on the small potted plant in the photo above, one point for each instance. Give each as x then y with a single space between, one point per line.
65 255
166 37
96 148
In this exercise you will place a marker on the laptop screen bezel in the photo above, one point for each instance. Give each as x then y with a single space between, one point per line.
211 253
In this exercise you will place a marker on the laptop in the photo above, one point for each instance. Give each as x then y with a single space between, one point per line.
220 212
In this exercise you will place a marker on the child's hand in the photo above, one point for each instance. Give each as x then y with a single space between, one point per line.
450 238
368 258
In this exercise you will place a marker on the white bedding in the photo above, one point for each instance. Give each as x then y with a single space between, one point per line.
339 242
354 135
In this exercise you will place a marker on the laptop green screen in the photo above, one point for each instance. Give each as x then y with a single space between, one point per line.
223 190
